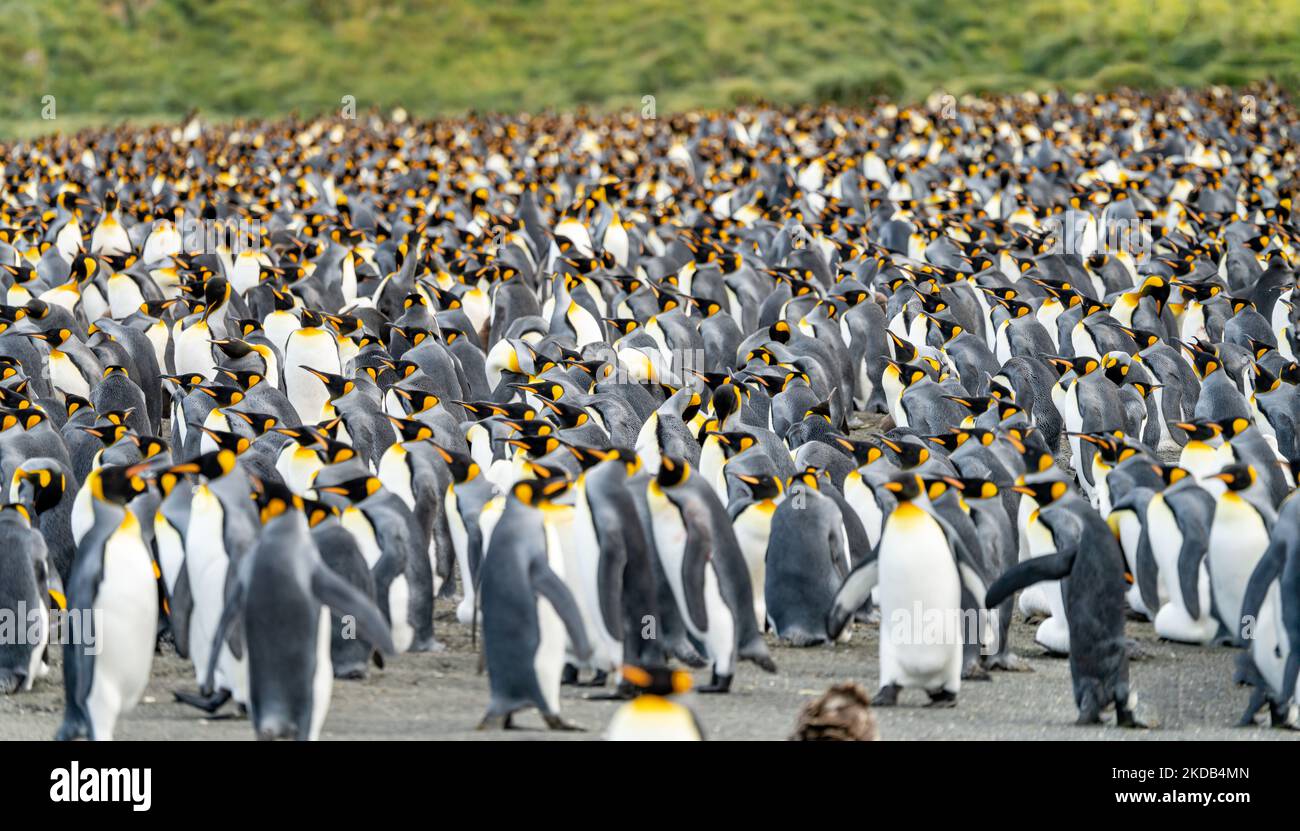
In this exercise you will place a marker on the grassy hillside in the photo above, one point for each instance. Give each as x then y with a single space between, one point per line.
118 58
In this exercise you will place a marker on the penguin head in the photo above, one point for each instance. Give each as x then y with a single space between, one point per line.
356 489
117 484
332 452
1170 474
672 471
733 441
905 487
1204 361
463 468
660 681
535 446
39 486
910 454
259 422
337 385
416 401
106 432
151 447
762 486
1043 491
1238 477
540 492
243 379
226 440
1080 366
725 402
54 337
908 374
224 396
317 511
211 466
274 499
567 415
973 488
976 405
1203 431
410 429
810 477
1231 427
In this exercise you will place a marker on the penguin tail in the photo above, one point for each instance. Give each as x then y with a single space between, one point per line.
274 729
74 728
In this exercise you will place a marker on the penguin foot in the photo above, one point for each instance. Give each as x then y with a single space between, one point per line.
496 721
207 703
887 696
1127 719
428 644
690 657
597 680
1133 614
718 684
554 722
976 672
1135 650
351 672
569 676
1008 662
942 700
621 692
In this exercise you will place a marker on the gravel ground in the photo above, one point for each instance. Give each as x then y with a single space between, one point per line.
1186 693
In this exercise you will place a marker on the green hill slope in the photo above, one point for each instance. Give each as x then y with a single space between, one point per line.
116 58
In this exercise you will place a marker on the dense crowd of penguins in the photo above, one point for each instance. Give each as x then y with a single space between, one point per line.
271 389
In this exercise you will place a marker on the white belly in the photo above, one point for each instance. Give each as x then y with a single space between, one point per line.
920 600
126 605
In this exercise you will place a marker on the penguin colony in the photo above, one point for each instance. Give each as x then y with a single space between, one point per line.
599 382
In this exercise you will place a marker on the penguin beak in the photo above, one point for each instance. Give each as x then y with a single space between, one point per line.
1027 491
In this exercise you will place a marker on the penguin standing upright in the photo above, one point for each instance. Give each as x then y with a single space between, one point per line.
920 573
23 592
113 590
527 609
1239 536
705 569
282 599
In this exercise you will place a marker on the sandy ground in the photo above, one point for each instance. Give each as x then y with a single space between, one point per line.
1186 692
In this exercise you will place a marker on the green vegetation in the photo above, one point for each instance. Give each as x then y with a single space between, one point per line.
112 59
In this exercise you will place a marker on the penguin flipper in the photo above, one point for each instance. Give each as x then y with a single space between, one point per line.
1196 542
234 606
1268 569
179 606
853 593
1136 500
344 599
1147 573
548 584
1025 574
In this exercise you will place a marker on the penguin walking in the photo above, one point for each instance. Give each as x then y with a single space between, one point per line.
1088 554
